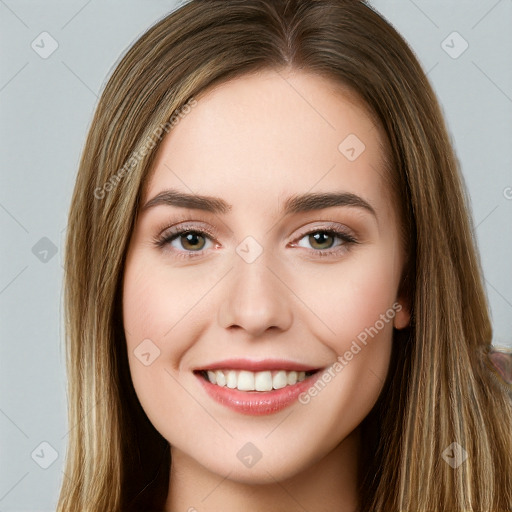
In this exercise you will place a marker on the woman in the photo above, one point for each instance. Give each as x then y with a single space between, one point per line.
222 357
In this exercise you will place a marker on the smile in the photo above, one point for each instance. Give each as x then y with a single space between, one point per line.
256 388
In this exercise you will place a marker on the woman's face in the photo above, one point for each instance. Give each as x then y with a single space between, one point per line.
289 265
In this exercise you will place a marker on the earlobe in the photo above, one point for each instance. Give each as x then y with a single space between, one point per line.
402 315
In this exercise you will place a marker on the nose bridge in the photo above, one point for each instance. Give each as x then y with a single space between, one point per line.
255 298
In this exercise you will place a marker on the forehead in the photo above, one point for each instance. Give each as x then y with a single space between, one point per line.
271 134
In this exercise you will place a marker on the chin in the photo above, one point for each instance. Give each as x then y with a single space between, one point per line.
267 470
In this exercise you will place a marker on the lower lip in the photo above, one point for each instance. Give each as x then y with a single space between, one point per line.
257 403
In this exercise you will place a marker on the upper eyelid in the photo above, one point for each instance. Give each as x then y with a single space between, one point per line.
179 228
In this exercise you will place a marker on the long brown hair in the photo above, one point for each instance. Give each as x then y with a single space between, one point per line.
440 388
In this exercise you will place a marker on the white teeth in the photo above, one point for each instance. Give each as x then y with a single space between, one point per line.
244 380
263 381
220 378
279 381
232 379
291 378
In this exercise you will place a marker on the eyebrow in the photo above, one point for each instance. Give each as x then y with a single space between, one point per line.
294 204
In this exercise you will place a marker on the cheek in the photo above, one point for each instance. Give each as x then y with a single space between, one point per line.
350 298
164 312
159 302
153 313
356 305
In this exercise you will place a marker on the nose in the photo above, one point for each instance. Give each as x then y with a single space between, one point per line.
255 299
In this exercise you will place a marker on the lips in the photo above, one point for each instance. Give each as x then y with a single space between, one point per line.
255 366
256 387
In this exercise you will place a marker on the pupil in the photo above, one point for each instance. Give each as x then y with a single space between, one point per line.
319 236
192 239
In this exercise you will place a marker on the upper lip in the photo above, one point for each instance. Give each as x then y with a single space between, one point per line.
255 366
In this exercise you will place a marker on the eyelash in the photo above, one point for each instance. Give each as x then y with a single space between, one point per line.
169 236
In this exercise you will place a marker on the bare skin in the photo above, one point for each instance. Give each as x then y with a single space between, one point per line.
254 142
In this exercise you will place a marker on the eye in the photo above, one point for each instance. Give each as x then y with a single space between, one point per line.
185 242
189 241
323 241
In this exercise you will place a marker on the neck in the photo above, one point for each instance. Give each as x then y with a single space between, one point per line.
330 484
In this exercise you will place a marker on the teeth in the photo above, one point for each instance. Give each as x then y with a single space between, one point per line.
232 379
280 380
220 378
263 381
244 380
291 378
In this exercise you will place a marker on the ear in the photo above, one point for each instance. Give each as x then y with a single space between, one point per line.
402 317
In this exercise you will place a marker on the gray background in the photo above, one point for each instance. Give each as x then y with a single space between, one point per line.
46 109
